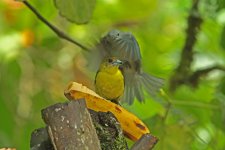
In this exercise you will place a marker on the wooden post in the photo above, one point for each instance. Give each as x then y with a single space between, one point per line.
70 126
146 142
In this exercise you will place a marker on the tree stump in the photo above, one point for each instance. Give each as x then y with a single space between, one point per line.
72 126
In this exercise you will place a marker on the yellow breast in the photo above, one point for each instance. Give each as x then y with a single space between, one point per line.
109 85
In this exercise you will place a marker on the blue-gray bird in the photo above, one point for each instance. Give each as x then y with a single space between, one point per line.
124 46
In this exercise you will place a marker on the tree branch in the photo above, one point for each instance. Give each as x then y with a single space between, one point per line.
53 28
194 21
183 70
195 76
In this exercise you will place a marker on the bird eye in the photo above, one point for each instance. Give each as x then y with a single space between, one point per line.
110 60
118 34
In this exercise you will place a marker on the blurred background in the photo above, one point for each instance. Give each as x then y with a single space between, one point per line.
36 66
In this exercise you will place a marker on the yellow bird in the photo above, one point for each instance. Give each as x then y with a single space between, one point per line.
109 80
124 46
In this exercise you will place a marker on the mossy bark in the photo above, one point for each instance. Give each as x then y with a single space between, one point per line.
109 131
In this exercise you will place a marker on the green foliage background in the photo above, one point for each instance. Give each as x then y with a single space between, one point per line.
35 67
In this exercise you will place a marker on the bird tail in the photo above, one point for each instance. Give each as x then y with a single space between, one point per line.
136 84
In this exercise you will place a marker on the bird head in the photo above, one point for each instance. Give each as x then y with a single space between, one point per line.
110 65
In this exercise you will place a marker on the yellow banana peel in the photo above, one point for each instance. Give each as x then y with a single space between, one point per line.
132 126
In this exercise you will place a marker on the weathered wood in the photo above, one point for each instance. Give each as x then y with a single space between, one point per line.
70 126
40 140
106 125
146 142
109 131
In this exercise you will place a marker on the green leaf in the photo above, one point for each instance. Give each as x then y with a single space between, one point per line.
77 11
221 4
222 40
145 110
218 117
173 137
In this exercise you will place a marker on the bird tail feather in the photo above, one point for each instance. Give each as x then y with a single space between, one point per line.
140 82
151 83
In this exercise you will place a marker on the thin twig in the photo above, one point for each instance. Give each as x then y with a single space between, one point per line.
168 106
195 104
53 28
194 78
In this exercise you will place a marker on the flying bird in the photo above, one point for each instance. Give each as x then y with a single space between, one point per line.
124 47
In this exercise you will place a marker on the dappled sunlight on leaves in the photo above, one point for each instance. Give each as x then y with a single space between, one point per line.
36 65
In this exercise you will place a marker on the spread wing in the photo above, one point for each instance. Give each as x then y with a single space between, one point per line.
95 57
138 82
122 45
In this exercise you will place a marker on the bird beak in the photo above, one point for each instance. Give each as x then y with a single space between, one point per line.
117 62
